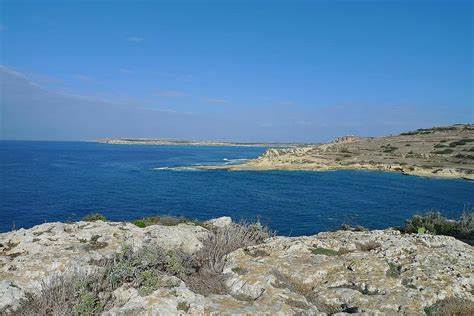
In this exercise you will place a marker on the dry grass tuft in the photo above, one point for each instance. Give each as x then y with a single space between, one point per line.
222 241
146 269
451 307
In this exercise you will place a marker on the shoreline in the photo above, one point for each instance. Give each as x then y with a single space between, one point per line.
423 173
439 152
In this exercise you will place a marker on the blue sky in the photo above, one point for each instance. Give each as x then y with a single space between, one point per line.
233 70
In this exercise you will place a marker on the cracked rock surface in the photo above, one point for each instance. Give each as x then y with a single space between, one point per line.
368 273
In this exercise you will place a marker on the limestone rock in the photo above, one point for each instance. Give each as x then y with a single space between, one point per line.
220 222
365 272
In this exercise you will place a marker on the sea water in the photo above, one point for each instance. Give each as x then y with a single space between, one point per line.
63 181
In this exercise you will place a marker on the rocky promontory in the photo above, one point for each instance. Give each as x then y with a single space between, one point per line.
380 272
446 152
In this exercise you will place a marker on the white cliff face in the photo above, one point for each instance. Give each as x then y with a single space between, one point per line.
343 271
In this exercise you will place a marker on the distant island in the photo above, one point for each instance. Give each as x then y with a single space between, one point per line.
446 152
171 142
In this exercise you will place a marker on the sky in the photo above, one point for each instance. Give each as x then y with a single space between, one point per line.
285 71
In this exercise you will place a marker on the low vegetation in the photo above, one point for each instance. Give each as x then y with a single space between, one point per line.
165 220
435 223
223 241
151 267
94 217
451 307
394 270
430 130
461 142
464 157
81 293
324 251
388 148
443 152
146 269
148 221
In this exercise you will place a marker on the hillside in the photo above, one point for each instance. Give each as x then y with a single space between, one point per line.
434 152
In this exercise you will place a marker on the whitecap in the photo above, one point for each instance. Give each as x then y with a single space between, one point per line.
234 160
182 168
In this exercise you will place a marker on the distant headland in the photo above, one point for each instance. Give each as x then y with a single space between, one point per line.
446 152
175 142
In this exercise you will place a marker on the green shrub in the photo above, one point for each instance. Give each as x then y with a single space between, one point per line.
462 156
146 221
389 148
324 251
94 217
239 270
394 270
149 281
88 304
443 152
461 142
435 223
421 131
166 221
140 223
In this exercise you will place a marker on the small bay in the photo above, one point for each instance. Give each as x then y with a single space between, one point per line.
63 181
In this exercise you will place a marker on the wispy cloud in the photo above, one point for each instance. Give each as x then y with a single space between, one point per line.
216 101
134 39
170 94
15 74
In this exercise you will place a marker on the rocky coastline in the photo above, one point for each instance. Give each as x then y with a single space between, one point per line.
380 272
439 152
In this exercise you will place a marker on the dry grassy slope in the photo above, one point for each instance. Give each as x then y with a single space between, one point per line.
438 152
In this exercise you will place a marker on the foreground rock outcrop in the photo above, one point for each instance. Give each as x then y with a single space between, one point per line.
446 152
374 272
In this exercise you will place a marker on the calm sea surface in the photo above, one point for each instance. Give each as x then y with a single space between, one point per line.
61 181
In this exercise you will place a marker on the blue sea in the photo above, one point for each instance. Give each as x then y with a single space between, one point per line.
63 181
